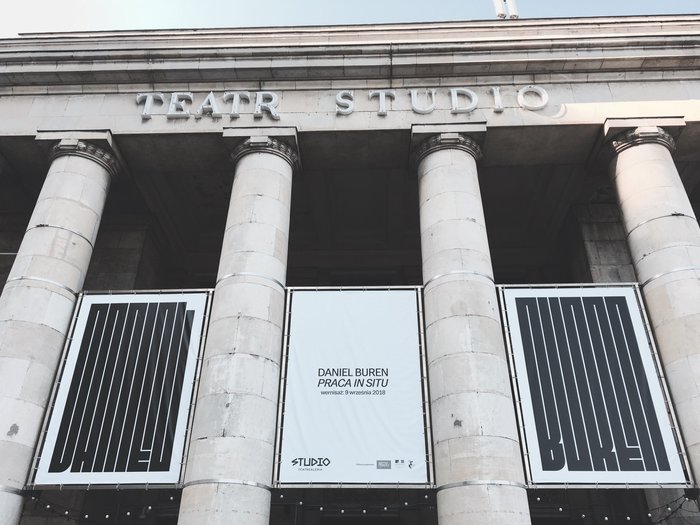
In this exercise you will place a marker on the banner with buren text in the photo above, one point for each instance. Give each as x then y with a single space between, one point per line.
353 397
593 404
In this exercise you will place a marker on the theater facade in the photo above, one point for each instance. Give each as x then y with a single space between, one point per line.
426 273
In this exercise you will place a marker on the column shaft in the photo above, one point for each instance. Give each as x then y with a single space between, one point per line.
38 300
229 469
664 241
477 455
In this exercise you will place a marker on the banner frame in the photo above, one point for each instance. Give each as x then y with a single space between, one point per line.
659 373
30 484
425 393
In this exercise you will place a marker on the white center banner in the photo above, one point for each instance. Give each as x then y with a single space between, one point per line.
353 404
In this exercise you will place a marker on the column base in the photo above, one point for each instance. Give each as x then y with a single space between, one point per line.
10 508
224 504
483 504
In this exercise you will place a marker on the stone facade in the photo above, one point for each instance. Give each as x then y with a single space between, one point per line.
456 156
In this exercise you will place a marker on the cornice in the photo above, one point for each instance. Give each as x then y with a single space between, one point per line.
381 51
387 32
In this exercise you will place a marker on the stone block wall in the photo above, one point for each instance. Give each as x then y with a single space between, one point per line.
602 255
125 258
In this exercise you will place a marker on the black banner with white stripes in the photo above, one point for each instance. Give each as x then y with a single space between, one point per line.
592 403
122 405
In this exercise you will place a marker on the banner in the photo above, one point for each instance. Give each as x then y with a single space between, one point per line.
353 398
592 402
121 409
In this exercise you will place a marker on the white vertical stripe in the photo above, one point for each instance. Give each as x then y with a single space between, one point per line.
82 376
172 387
615 387
149 404
588 378
131 388
109 392
143 381
106 351
537 367
573 373
163 372
598 375
121 390
92 376
638 389
624 383
549 371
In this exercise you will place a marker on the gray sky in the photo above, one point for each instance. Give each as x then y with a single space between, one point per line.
23 16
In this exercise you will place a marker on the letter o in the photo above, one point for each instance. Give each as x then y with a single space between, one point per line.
544 98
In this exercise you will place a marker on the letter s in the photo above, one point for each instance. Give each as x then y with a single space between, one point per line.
344 103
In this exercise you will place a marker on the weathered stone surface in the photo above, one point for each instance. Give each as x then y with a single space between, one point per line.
234 428
664 241
473 418
36 307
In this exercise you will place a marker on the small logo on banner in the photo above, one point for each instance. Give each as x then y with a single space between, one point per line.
311 463
384 464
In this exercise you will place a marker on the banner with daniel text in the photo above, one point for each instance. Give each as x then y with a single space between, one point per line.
353 397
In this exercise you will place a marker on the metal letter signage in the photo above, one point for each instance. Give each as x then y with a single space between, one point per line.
121 409
354 395
268 104
592 402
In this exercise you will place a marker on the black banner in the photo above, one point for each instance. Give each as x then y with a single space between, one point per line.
123 398
594 404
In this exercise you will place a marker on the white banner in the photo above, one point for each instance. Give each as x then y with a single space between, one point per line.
353 406
592 402
121 410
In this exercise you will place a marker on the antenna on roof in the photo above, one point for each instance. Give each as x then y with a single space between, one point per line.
499 6
506 8
512 9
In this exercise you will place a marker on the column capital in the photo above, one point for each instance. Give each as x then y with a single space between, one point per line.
81 148
441 141
265 144
637 136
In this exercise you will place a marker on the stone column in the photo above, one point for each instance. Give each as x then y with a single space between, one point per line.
478 461
664 240
37 303
229 469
